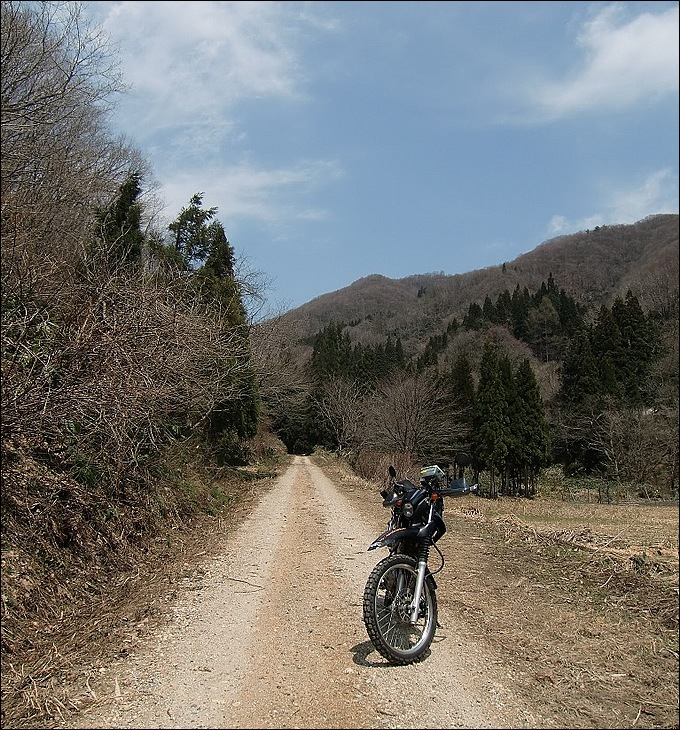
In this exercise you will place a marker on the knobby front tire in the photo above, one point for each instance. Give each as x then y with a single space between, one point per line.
387 610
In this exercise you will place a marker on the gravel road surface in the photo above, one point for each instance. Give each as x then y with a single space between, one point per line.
268 633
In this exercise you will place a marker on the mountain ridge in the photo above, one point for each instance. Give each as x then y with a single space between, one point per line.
594 267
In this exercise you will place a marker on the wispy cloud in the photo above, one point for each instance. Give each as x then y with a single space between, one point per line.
624 63
244 191
657 192
200 57
191 67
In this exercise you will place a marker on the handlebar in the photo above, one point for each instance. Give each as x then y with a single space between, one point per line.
458 488
398 488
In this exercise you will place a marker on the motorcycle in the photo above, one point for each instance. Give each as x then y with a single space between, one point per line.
400 600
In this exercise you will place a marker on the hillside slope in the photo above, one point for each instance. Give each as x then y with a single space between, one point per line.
592 266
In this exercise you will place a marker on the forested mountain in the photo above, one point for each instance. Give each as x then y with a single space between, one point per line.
566 354
593 267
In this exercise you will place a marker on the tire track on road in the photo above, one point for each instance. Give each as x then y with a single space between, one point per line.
303 675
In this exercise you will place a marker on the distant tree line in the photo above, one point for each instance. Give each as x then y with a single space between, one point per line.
610 367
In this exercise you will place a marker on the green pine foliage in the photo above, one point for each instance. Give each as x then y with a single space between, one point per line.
581 385
545 320
334 355
191 234
638 349
511 436
460 383
491 420
533 447
215 280
474 319
430 357
119 237
611 359
519 313
606 382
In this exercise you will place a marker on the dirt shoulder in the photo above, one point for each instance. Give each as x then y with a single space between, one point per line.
261 626
573 607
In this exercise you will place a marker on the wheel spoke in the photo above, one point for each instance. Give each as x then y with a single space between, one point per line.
387 611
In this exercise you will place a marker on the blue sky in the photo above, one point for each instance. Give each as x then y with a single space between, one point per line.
343 139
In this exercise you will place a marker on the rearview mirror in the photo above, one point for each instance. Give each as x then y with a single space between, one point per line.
462 459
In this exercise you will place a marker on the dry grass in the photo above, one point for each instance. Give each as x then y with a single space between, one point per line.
582 602
66 612
647 532
577 603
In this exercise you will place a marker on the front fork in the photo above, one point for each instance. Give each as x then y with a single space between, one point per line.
423 555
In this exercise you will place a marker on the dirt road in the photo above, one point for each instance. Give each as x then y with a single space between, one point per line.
269 634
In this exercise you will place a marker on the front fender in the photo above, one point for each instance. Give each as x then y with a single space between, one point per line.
392 535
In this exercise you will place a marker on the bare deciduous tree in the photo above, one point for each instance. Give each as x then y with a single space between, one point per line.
283 382
411 414
121 374
342 406
59 157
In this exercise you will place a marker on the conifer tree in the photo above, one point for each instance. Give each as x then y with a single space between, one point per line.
606 341
530 427
511 436
474 319
637 353
459 385
543 324
399 357
215 279
190 231
504 307
489 310
570 315
200 246
520 313
332 353
385 357
580 386
491 418
118 225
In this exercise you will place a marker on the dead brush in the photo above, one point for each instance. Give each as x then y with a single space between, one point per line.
79 588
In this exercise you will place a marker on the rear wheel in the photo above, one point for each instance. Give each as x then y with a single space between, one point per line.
387 610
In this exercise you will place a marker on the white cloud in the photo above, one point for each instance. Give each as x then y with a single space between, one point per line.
658 193
199 59
625 63
560 225
244 191
190 65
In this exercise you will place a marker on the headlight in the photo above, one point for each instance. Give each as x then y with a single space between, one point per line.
407 510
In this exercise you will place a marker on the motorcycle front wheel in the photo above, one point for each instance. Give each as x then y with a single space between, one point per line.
387 610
